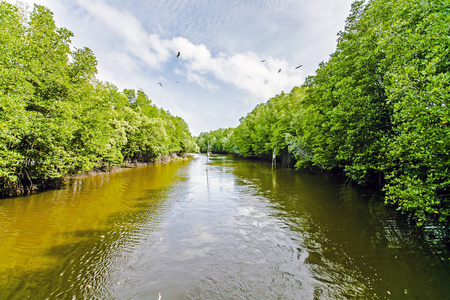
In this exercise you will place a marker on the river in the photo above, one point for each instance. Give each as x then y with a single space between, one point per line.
224 229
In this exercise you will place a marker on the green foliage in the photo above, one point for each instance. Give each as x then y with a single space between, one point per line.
217 141
418 89
57 119
379 107
378 110
268 129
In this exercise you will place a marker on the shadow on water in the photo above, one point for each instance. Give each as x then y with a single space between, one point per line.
352 237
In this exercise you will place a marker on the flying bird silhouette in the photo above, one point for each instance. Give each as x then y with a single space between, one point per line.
178 55
159 84
279 70
263 60
298 67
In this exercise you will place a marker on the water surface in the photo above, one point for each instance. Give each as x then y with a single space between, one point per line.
226 229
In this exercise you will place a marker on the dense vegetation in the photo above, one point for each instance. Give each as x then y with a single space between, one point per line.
378 110
57 119
218 141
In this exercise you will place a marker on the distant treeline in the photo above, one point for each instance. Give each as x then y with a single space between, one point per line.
57 119
378 110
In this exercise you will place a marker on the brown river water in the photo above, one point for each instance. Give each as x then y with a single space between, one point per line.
224 229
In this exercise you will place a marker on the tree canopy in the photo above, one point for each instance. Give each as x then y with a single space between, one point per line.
57 119
377 110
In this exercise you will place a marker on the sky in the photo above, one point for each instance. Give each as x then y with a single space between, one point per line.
231 51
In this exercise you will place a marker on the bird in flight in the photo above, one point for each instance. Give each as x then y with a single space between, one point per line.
263 60
160 83
279 70
178 55
298 67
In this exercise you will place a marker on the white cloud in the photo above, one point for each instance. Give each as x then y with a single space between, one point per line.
222 44
243 70
147 47
200 80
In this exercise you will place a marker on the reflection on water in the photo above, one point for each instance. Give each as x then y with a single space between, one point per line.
226 229
63 242
357 247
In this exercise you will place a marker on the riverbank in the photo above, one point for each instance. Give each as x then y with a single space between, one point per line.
57 183
127 165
